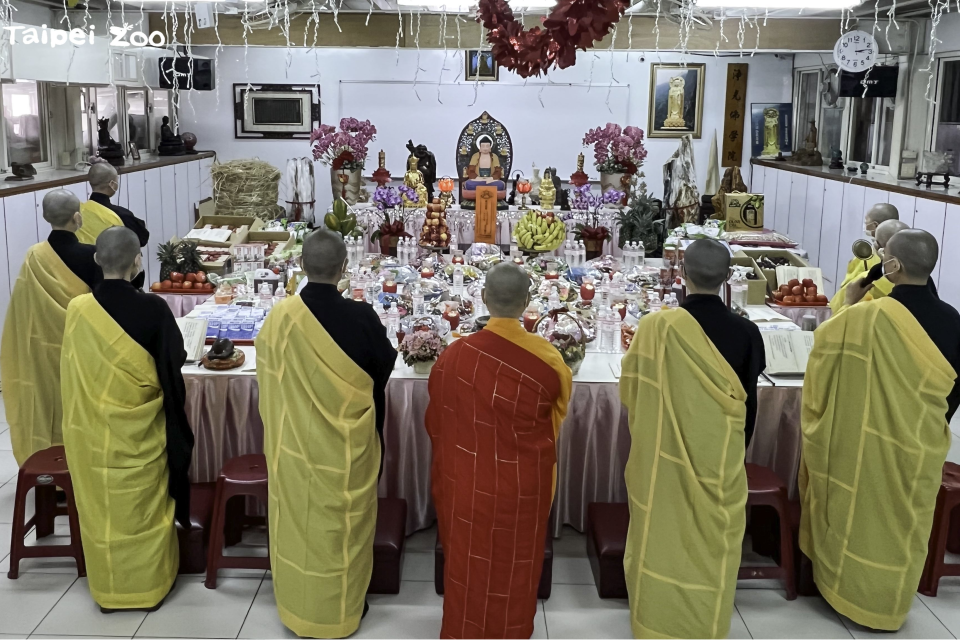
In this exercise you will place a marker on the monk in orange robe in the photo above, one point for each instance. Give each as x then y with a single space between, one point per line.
497 399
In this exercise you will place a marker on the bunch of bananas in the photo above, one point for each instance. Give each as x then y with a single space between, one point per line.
540 232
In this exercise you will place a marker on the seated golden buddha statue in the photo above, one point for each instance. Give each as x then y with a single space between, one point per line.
413 178
484 157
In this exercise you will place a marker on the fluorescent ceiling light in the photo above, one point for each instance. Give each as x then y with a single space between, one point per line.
777 4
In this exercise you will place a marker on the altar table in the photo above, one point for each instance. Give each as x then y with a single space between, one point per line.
592 450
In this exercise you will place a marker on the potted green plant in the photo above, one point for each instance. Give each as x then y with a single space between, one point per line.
640 220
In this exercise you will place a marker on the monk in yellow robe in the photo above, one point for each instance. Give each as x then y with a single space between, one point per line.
686 483
322 364
125 432
878 394
497 399
54 272
857 268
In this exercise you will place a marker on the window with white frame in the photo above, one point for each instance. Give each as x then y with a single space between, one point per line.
871 130
946 139
806 102
24 123
138 123
162 105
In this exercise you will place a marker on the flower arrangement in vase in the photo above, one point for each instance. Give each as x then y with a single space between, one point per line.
617 154
345 152
592 232
390 231
420 350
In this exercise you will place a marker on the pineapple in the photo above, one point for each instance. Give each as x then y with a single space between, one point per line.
190 260
169 256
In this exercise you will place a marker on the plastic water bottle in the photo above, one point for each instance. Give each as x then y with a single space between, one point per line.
628 256
418 309
393 322
553 302
672 302
655 303
566 252
266 296
581 254
641 254
458 280
280 295
609 342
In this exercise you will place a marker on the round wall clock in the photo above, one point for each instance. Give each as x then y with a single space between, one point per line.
855 51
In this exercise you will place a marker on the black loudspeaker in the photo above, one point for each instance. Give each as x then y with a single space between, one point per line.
187 73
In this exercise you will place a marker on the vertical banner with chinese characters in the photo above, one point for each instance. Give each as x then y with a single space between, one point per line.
734 115
485 227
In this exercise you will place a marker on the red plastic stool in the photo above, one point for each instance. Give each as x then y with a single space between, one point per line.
46 470
240 476
947 499
765 488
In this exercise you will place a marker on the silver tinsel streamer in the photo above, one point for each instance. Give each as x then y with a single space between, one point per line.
937 7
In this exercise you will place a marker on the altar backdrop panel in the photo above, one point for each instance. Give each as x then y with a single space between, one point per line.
545 121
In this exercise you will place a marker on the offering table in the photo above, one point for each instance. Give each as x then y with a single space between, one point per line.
222 407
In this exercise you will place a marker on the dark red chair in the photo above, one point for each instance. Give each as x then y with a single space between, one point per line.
546 574
194 543
240 476
388 545
765 488
607 524
940 539
46 470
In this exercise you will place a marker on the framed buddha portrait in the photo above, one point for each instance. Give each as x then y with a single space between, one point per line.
676 100
481 65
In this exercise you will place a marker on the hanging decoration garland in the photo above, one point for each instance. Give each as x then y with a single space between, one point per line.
571 25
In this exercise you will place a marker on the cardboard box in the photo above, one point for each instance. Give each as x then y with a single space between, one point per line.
756 289
285 239
744 211
771 274
237 237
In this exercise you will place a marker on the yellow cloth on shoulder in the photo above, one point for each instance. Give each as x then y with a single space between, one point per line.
857 271
114 433
96 219
686 483
323 457
30 350
875 438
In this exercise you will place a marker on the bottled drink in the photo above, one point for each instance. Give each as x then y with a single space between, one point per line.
609 331
393 321
457 280
655 303
672 302
628 254
581 253
266 295
280 295
641 254
418 309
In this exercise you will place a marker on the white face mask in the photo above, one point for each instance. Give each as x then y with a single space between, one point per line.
890 271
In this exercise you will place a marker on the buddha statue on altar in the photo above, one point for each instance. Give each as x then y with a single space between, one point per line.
413 178
484 158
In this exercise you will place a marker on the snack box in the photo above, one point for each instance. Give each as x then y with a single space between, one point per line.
756 289
744 211
771 274
284 239
244 226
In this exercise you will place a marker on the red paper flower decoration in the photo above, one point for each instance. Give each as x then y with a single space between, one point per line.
572 25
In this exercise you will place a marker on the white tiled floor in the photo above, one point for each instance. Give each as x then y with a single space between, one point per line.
48 600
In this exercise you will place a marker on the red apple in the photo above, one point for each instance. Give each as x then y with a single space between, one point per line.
821 298
788 299
811 291
166 284
156 286
177 285
190 277
797 290
201 276
807 282
778 296
188 285
176 276
794 283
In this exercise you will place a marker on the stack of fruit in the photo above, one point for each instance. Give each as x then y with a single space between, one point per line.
538 231
799 294
180 269
434 232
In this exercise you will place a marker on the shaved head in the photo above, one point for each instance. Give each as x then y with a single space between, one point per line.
886 229
101 175
59 208
507 291
323 255
917 252
117 251
706 264
880 212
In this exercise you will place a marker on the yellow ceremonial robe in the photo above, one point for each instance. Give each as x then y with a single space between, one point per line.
856 270
323 456
96 219
30 350
114 433
686 483
875 438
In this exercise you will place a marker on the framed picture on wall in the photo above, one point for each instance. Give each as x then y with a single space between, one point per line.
481 65
771 131
676 100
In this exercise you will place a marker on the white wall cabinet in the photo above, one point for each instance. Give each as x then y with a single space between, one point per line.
930 216
184 210
812 216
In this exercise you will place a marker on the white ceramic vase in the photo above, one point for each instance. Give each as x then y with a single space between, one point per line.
349 191
424 367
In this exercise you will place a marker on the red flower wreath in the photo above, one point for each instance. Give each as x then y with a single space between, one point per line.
572 25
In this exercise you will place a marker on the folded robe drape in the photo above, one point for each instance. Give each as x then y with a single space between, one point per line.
686 483
114 434
323 456
875 438
96 219
857 270
30 350
496 401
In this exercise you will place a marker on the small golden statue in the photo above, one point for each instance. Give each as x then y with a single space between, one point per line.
675 99
414 179
771 132
548 192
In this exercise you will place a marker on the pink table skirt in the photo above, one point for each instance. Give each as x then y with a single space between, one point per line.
182 304
592 452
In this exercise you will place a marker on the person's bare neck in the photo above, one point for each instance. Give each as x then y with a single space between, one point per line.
117 276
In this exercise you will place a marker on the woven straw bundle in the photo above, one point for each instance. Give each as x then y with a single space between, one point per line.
247 188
